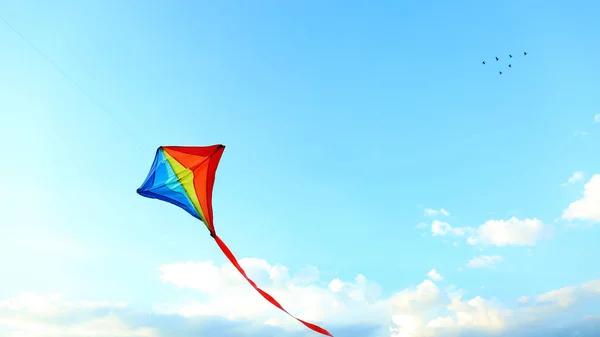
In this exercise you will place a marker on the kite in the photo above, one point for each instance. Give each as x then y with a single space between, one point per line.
184 176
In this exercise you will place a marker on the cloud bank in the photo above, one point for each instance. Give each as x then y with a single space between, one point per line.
225 305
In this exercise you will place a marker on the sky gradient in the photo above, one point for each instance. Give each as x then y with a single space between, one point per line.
346 124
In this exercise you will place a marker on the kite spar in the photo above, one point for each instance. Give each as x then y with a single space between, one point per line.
184 176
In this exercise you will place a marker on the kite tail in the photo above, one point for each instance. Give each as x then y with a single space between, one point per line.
268 297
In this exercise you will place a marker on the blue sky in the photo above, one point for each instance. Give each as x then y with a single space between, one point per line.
343 123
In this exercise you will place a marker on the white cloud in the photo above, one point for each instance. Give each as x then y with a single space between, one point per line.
592 286
476 313
484 261
597 118
442 228
509 232
568 296
588 207
523 300
412 301
434 212
499 233
472 240
34 315
581 133
51 304
419 316
336 285
563 297
479 313
576 177
434 275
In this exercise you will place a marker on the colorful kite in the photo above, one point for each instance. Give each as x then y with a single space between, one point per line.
184 176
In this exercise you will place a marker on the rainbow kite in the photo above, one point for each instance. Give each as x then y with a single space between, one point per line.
184 176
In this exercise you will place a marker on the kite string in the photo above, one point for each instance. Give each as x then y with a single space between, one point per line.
264 294
69 78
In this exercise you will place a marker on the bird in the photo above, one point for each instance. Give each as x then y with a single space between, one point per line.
524 53
500 72
510 66
509 55
483 62
497 58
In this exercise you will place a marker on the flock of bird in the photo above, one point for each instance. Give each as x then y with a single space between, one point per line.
509 65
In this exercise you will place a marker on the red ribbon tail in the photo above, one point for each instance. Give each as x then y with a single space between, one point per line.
264 294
